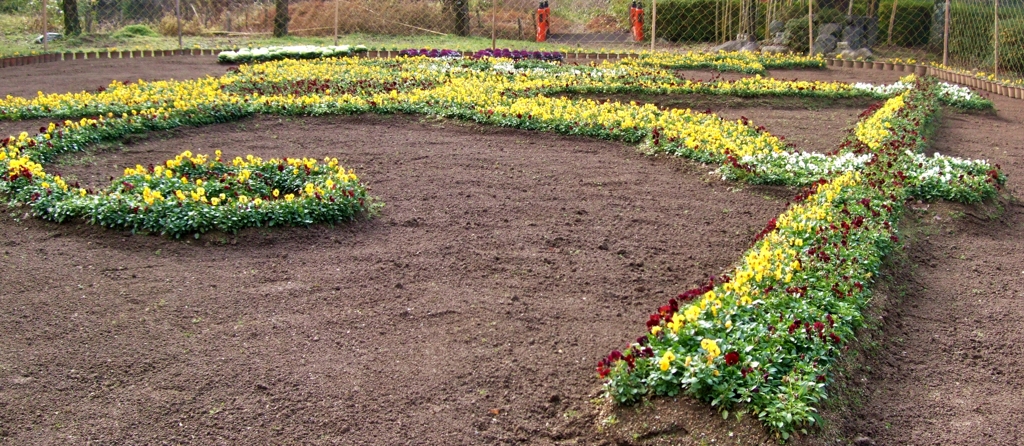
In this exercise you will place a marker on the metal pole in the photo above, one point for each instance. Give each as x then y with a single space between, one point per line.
810 28
892 22
46 37
177 18
945 37
337 6
995 34
654 22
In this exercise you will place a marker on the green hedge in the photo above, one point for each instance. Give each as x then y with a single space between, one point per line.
913 24
687 20
1011 45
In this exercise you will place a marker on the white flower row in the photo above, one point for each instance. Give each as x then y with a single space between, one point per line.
944 168
886 90
955 93
288 52
798 167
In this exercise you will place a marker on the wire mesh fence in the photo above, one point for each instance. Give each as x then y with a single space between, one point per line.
980 34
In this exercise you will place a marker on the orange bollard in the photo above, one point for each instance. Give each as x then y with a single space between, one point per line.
636 18
543 23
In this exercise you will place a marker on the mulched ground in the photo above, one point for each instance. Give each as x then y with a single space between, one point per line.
472 310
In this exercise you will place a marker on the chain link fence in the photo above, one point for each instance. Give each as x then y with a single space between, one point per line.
979 34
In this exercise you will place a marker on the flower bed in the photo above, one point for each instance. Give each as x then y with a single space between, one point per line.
506 53
492 91
269 53
766 335
432 53
742 62
192 194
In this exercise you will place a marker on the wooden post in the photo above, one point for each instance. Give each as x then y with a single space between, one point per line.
945 37
810 27
46 45
337 7
995 35
718 22
654 22
494 35
892 22
177 17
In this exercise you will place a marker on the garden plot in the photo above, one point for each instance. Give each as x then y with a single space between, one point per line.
835 235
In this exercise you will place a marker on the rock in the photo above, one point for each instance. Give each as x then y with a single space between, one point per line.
750 47
743 42
862 53
864 441
779 39
855 36
862 32
827 29
775 49
776 26
50 37
732 45
824 44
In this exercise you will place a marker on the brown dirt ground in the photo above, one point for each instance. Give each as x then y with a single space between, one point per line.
472 310
253 338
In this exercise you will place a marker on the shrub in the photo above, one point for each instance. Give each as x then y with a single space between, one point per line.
913 23
169 26
829 15
132 31
1011 45
796 35
687 20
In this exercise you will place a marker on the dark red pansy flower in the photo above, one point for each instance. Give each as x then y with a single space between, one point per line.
732 358
655 319
795 325
820 328
665 311
615 355
834 338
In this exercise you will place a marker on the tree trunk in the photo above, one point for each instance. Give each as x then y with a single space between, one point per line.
72 26
281 18
458 10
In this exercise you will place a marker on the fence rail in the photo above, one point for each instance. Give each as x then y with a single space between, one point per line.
975 34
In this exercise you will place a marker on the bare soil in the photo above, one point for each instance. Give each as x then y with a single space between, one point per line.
472 310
